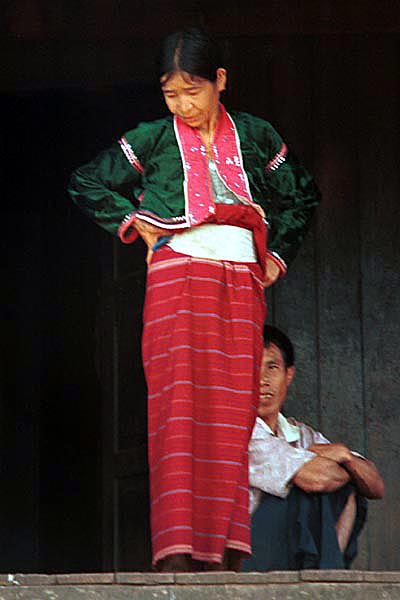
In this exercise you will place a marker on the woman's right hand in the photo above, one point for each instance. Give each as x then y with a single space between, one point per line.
150 234
272 273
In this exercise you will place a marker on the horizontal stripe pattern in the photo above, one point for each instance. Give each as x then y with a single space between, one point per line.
202 344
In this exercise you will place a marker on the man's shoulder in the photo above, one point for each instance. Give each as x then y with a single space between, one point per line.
300 424
308 435
260 429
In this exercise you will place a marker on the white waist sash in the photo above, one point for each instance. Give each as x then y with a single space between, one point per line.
219 242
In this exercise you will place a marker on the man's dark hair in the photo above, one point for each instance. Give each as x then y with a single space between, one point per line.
190 50
273 335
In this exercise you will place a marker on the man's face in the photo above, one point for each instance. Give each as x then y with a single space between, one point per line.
275 379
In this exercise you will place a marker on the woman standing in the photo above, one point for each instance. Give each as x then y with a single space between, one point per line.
205 184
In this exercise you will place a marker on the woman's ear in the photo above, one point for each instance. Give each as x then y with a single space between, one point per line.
221 79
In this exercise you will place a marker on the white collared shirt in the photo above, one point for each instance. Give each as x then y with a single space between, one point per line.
275 459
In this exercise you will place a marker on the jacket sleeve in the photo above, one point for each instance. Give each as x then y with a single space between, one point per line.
292 197
107 188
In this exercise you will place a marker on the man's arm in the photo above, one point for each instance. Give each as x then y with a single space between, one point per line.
321 475
273 462
365 477
362 472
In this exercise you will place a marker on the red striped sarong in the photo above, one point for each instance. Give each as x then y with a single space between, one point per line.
202 345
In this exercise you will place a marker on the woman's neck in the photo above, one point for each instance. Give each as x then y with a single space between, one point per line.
208 129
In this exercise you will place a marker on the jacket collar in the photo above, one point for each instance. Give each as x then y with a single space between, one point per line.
225 152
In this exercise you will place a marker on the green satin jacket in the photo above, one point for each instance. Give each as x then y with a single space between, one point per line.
146 172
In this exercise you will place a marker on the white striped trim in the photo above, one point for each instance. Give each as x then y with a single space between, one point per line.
278 159
130 155
185 181
173 223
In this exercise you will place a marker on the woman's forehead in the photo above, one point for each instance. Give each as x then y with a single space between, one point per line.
181 79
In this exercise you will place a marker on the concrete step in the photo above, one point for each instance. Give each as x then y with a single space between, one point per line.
284 585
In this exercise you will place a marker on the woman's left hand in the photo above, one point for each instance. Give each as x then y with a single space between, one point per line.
272 273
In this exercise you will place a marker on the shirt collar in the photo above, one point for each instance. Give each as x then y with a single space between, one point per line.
290 432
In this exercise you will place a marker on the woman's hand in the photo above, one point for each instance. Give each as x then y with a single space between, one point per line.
272 273
150 234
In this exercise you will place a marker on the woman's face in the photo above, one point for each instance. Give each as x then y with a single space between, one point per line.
193 99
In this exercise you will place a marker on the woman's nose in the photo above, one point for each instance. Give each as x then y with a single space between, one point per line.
185 105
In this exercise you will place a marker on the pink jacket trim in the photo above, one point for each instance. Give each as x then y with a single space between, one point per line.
226 153
278 159
126 231
130 155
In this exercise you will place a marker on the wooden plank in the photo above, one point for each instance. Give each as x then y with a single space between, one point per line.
338 242
294 296
338 246
379 143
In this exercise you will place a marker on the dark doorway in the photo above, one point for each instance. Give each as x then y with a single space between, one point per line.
68 384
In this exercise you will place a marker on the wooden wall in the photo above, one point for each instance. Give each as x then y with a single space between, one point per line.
326 74
339 301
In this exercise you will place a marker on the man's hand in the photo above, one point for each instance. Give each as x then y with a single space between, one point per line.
336 452
272 273
321 475
362 472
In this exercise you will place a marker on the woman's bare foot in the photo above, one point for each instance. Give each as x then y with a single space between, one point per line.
231 561
176 563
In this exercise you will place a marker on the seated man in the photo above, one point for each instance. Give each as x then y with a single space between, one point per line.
307 495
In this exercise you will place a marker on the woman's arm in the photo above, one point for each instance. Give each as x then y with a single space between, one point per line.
292 196
103 188
108 188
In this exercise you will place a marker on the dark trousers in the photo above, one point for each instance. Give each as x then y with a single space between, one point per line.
298 532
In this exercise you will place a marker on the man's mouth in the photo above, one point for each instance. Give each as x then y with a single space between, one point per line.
266 395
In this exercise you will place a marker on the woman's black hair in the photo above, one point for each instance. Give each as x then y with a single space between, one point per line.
273 335
190 50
